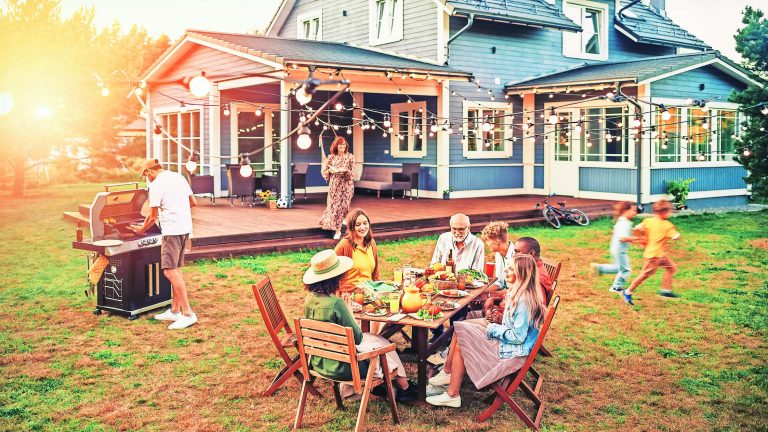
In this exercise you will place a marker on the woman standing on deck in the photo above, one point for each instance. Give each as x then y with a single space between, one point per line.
338 171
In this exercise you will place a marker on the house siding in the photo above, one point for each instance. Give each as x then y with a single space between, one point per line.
708 203
419 25
611 180
687 85
707 178
478 178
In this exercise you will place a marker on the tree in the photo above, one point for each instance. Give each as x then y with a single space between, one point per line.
752 44
51 67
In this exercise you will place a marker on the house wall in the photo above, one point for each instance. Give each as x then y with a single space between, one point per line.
708 203
707 178
610 180
419 25
687 85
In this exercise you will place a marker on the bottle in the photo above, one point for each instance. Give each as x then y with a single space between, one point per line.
450 266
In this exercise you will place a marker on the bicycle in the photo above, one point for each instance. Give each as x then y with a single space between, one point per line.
553 214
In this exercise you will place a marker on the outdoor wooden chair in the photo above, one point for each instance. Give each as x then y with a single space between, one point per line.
333 341
505 388
275 321
553 270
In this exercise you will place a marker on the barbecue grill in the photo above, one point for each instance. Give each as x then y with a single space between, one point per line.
132 282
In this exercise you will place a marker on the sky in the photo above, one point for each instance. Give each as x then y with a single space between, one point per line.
713 21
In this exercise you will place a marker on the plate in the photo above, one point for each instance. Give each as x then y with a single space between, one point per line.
107 243
477 284
458 293
374 314
446 305
356 307
415 316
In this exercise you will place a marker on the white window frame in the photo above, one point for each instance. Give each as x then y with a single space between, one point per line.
506 151
234 127
574 39
712 160
309 17
182 154
411 137
393 15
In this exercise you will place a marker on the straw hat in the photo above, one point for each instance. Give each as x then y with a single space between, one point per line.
149 164
326 265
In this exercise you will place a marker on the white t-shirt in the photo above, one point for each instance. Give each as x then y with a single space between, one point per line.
170 192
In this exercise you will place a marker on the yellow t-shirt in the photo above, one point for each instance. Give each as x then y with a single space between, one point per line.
363 263
658 232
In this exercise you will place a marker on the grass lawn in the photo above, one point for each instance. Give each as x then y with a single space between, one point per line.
697 363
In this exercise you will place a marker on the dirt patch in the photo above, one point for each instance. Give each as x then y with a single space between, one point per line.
761 243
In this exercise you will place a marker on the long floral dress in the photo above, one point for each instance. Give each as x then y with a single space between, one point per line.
341 188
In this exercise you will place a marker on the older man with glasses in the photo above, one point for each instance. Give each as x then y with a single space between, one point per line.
467 250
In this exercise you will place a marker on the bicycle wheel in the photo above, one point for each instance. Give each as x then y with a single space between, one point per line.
579 217
551 218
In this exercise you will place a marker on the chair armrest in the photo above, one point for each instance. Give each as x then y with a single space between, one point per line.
377 352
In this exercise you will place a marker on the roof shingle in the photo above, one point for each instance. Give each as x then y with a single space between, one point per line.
526 12
646 26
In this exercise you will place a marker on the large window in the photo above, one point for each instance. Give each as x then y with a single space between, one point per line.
726 133
488 130
604 136
310 26
564 137
253 128
184 127
592 41
666 136
386 21
409 137
698 139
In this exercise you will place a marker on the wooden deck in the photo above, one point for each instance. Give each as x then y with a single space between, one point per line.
224 230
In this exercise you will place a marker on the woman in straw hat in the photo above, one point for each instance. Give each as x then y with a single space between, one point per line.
322 281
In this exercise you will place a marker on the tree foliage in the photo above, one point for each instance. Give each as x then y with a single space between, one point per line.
752 44
51 67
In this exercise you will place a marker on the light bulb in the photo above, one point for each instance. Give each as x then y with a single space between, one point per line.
705 125
553 118
304 141
433 128
577 128
387 122
105 91
339 106
390 129
487 126
246 170
302 96
589 144
666 115
764 110
199 85
257 112
138 91
226 112
746 152
637 123
191 166
349 131
701 156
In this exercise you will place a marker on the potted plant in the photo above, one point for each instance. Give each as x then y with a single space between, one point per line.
447 194
678 190
272 202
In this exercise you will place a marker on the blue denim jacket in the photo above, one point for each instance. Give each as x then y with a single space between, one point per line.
516 334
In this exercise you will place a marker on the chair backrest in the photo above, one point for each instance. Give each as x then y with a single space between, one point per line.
239 185
552 268
271 312
201 184
300 168
411 168
383 174
537 346
327 340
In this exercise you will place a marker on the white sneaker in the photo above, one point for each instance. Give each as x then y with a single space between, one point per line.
183 322
441 379
168 316
443 399
434 390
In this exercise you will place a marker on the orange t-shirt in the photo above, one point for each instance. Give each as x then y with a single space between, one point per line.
658 231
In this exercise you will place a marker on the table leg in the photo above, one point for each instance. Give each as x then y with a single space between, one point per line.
365 326
420 341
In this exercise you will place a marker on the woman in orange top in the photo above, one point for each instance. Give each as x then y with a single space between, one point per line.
359 245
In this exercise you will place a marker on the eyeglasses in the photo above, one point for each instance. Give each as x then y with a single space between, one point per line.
459 229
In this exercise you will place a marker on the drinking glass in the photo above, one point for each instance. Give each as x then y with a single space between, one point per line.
394 303
490 269
461 281
399 276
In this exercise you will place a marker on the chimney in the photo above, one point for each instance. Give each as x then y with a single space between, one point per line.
660 6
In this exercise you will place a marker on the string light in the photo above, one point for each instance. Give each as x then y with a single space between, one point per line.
226 111
665 114
105 91
746 152
245 166
487 126
259 111
304 141
339 106
191 164
387 121
552 117
763 109
199 85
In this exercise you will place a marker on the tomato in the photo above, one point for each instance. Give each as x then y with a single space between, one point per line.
434 310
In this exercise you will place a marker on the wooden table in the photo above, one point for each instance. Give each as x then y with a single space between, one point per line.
420 332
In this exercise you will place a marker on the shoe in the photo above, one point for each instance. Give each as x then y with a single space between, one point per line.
183 322
441 379
434 390
627 297
669 294
436 359
443 399
379 391
407 395
337 235
168 316
594 269
615 289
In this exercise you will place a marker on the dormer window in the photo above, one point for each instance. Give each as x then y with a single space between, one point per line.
592 42
310 26
386 21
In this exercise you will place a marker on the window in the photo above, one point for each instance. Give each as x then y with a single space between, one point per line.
409 121
184 127
667 137
698 139
726 133
604 135
488 130
252 128
592 41
386 21
564 137
310 26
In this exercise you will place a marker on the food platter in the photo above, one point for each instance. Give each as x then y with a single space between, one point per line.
475 284
446 305
453 293
377 313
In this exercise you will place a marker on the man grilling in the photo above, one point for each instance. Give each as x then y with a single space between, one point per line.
170 201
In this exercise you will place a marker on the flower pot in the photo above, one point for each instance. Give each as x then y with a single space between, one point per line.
272 204
446 195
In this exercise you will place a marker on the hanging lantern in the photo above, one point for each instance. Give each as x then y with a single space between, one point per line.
199 85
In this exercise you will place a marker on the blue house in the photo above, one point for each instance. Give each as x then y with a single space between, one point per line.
601 99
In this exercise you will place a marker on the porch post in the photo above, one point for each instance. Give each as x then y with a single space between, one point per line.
646 145
358 137
214 138
529 149
149 128
285 144
443 141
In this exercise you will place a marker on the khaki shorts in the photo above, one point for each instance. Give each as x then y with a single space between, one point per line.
172 251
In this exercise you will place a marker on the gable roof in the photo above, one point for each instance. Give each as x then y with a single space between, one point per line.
644 25
536 13
278 52
637 71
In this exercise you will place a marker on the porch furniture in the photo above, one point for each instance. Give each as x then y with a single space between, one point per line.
299 179
203 185
239 186
507 386
410 173
553 270
382 178
420 330
275 321
270 182
336 342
